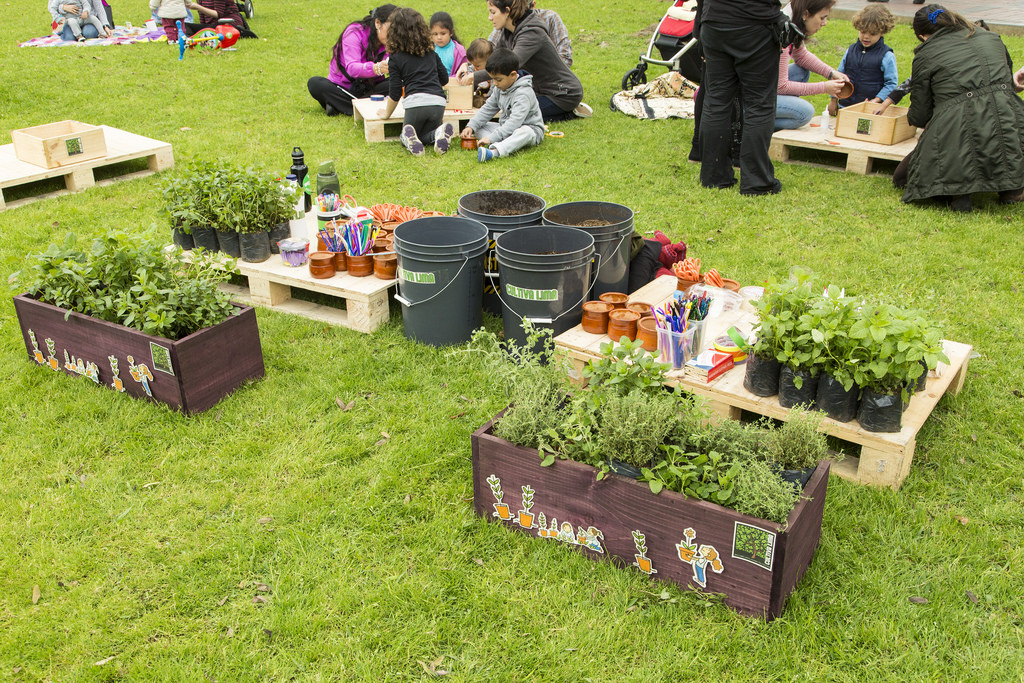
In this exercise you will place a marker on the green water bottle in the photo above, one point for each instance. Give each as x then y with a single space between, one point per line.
327 179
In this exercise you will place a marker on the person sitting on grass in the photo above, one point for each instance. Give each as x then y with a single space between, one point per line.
520 124
93 9
417 78
476 60
211 12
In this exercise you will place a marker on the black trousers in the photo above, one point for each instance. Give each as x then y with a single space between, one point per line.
426 121
327 92
741 62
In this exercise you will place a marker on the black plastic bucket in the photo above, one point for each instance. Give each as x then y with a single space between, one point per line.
227 242
611 226
254 246
440 278
545 277
499 210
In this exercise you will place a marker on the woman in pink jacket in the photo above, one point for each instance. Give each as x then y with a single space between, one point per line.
359 65
809 16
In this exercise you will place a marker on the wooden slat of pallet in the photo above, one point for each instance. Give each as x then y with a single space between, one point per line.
121 146
859 154
885 457
271 282
374 127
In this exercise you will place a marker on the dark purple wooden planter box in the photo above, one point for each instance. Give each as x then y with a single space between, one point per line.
190 374
756 564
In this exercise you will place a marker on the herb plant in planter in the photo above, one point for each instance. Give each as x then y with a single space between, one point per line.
139 319
187 195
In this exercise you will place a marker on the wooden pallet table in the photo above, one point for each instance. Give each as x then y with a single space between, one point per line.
377 129
884 458
121 146
859 155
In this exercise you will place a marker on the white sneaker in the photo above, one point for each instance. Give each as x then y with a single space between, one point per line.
583 110
443 137
411 141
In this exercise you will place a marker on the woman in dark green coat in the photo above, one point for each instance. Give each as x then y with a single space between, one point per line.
963 96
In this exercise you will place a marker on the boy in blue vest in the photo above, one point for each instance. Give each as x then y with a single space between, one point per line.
869 62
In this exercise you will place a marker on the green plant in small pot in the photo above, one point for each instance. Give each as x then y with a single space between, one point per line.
892 344
785 335
837 393
187 201
279 206
797 446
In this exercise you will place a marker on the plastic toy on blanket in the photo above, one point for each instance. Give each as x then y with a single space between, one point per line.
218 38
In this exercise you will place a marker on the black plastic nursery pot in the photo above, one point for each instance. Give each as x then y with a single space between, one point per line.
834 400
881 412
255 246
182 239
789 394
281 231
205 238
761 377
227 241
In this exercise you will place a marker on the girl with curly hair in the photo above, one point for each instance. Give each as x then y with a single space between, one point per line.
416 69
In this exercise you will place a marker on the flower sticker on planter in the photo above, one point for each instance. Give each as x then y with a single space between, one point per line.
52 350
525 517
117 384
80 367
642 561
141 374
753 544
37 355
700 558
501 510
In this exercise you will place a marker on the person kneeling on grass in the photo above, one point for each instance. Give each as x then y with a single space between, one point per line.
520 124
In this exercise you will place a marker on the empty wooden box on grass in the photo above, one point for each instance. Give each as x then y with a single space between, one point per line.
884 459
76 170
58 144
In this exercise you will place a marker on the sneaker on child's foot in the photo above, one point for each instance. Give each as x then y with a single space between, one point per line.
443 137
583 110
485 154
411 142
80 39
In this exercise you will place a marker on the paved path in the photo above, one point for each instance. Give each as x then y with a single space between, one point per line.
1003 16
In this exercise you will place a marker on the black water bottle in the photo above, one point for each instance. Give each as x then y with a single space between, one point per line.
301 172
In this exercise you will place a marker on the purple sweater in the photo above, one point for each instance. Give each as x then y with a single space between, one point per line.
354 41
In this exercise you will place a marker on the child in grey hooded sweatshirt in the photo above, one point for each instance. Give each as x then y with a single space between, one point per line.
520 124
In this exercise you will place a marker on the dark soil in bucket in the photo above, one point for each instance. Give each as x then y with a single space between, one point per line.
592 223
499 203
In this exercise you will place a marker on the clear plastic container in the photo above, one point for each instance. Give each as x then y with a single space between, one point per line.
294 251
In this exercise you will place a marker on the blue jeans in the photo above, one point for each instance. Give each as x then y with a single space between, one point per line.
88 31
791 111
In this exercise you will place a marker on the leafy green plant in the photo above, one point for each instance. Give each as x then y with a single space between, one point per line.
785 331
797 444
131 283
630 427
704 476
892 343
760 492
625 368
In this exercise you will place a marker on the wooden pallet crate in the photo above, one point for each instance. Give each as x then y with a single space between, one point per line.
121 146
884 458
270 284
857 156
377 129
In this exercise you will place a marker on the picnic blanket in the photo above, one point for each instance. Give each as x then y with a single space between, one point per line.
122 36
668 95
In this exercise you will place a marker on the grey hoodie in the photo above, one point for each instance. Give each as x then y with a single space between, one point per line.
518 106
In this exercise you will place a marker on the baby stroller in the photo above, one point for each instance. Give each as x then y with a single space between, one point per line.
675 43
245 8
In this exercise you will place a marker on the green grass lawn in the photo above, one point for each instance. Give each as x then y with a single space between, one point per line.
278 537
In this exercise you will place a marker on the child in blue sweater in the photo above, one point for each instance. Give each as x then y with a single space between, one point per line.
869 62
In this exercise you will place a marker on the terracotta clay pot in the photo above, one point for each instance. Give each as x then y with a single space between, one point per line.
379 244
595 317
360 266
340 262
731 284
616 299
644 309
846 90
647 332
684 285
321 264
468 143
622 323
385 266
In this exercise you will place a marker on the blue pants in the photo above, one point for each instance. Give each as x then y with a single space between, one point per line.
791 111
88 31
